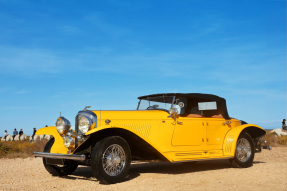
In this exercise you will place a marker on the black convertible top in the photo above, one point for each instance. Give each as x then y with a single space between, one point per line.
210 97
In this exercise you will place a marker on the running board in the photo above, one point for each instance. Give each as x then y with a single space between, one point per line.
203 159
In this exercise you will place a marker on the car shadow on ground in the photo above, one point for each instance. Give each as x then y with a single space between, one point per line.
179 168
257 162
85 173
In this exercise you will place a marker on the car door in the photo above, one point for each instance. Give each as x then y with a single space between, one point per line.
188 132
215 132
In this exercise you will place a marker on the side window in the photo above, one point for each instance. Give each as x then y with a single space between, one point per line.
207 106
210 109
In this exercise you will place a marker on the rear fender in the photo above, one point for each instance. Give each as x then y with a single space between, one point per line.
231 137
58 146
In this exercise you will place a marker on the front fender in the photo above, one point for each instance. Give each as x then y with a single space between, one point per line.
58 146
231 137
140 130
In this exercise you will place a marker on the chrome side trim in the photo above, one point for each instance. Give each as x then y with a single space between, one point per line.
203 159
60 156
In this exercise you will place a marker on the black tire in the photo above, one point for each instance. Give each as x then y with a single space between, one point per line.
54 169
120 162
247 161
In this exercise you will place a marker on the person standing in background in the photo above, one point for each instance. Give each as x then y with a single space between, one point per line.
5 134
15 132
20 133
34 132
284 127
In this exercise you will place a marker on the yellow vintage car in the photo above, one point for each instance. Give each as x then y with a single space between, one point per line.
172 127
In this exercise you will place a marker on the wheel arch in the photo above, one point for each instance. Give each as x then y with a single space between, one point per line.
58 146
140 148
231 137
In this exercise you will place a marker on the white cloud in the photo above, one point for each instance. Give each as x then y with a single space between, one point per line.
71 30
272 121
20 61
21 92
97 20
2 90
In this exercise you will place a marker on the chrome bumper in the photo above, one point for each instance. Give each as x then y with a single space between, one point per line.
60 156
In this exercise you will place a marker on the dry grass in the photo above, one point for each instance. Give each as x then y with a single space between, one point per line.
20 149
274 141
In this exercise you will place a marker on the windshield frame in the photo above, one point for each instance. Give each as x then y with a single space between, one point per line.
147 99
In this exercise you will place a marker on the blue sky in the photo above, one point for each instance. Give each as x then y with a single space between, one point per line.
60 56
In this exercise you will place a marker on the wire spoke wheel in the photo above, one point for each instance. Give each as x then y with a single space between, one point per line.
111 159
243 150
114 160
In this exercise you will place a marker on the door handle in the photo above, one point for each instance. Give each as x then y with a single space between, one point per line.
178 122
226 123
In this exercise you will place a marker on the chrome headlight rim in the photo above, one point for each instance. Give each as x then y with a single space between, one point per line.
84 128
69 142
64 127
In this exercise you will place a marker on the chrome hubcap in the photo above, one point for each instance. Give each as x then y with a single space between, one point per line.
113 160
243 150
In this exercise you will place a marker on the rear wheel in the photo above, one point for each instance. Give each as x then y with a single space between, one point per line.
56 170
244 152
110 160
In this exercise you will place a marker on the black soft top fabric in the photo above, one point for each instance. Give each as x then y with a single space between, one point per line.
210 97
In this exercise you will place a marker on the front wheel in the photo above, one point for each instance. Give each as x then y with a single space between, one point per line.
110 160
244 152
56 170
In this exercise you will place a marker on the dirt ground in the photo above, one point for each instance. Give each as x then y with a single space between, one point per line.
269 172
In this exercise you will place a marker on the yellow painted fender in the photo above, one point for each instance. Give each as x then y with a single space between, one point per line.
135 130
58 146
231 137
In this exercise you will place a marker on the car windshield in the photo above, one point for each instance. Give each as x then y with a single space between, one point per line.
158 103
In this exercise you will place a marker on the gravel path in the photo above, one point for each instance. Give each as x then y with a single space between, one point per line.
269 172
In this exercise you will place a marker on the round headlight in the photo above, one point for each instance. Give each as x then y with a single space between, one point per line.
62 125
68 141
84 124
